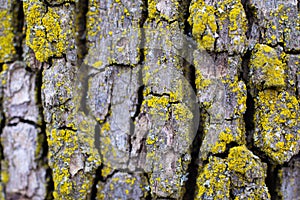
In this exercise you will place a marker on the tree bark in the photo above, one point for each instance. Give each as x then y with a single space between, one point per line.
150 99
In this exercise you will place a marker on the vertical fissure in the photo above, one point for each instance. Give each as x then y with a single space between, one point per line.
187 26
250 108
191 183
193 167
2 125
81 30
250 17
18 25
272 181
98 177
43 135
82 50
272 170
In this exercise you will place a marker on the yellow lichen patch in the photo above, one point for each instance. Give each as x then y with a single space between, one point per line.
121 186
241 160
246 169
106 171
152 9
4 176
201 82
46 34
157 105
238 92
105 127
7 49
204 24
151 140
100 193
62 184
93 20
276 124
180 91
209 20
2 196
182 112
67 140
213 181
63 145
225 137
237 20
228 135
266 68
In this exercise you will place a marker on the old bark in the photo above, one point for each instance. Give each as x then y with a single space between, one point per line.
150 99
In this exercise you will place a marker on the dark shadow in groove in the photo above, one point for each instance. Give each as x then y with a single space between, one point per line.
83 91
97 138
98 177
249 120
249 15
82 50
81 31
190 185
2 117
272 180
18 24
187 27
140 101
43 136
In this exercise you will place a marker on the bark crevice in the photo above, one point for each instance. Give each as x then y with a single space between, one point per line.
43 135
18 24
191 183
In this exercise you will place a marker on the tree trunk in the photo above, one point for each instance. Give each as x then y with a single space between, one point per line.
150 99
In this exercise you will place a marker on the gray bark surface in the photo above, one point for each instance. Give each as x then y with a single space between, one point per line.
149 99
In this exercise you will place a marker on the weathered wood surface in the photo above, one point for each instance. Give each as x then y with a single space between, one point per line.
150 99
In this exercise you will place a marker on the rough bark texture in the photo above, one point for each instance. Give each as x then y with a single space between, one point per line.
150 99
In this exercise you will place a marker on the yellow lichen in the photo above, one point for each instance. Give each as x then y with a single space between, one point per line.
276 117
152 8
204 24
239 160
45 34
182 112
268 68
4 176
201 82
213 182
105 127
7 49
207 19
